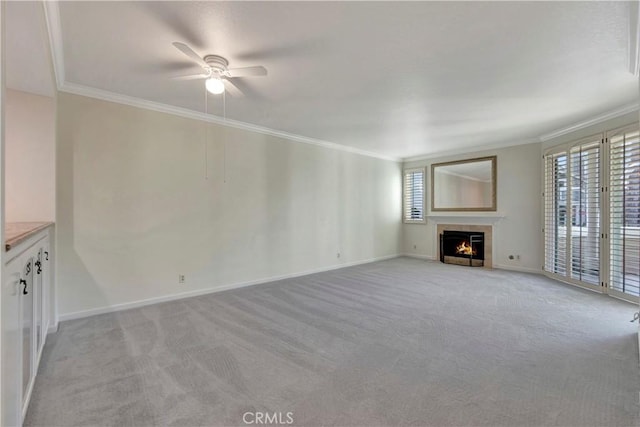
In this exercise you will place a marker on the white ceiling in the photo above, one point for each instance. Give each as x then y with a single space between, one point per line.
398 79
27 49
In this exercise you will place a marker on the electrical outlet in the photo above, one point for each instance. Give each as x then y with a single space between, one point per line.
180 278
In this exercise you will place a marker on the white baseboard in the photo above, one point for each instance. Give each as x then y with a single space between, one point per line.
420 256
198 292
518 268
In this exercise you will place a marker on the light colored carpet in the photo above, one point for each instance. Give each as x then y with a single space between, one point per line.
398 342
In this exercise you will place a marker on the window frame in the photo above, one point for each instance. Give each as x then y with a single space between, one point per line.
405 172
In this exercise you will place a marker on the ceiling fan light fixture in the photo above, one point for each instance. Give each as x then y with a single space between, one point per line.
214 85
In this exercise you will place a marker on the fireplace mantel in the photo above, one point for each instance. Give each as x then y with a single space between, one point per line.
466 217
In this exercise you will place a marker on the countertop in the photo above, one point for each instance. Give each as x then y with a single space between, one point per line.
17 232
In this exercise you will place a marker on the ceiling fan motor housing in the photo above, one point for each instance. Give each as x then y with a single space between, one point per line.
217 64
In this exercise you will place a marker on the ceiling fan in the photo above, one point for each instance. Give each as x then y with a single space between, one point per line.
216 71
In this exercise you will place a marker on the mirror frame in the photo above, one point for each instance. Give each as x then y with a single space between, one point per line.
494 185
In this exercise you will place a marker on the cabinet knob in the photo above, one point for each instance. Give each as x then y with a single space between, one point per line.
24 289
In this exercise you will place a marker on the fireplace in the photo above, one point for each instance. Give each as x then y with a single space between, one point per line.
462 248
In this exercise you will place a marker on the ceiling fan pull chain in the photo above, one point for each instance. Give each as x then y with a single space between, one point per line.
224 116
206 135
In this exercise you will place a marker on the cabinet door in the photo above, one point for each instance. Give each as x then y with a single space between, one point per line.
26 296
37 300
11 392
46 289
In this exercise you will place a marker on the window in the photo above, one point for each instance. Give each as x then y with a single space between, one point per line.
413 197
555 208
585 211
572 211
624 203
592 212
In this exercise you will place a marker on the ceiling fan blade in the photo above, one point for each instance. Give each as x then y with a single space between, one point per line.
190 53
232 89
191 77
285 50
247 71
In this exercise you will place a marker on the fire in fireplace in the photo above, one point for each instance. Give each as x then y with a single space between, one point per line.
462 248
465 248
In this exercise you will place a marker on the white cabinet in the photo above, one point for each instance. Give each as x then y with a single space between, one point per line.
39 294
27 310
26 317
11 347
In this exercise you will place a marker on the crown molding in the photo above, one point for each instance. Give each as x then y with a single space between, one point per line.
104 95
609 115
52 14
470 150
54 29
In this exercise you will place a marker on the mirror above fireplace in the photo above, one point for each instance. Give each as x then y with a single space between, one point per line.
464 185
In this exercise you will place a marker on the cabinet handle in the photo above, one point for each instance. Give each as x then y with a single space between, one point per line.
28 269
24 289
46 254
38 265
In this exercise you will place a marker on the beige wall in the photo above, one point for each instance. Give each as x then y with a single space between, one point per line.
134 208
519 196
30 157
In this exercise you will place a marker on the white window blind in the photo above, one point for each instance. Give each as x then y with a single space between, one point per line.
413 197
624 202
572 217
555 213
584 196
592 212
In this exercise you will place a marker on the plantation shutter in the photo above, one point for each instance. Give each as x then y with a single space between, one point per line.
592 212
555 213
624 201
584 195
413 202
572 216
